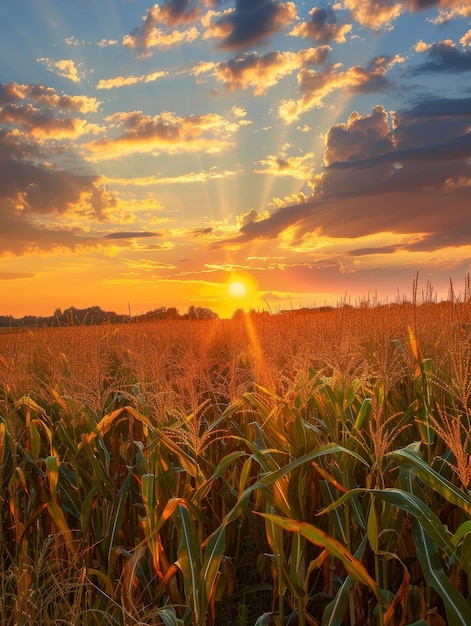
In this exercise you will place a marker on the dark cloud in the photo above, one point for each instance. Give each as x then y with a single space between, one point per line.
179 11
456 148
441 107
322 27
252 21
32 187
380 250
444 57
16 275
131 235
37 195
201 232
388 173
421 5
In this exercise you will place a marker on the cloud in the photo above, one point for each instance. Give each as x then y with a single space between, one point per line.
315 86
39 113
36 194
379 250
249 218
28 186
456 13
407 172
379 14
126 81
443 57
131 235
42 124
148 35
298 167
249 23
250 70
360 137
183 179
167 132
104 43
65 68
179 11
16 275
322 27
46 96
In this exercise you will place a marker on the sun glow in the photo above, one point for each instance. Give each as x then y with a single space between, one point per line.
237 289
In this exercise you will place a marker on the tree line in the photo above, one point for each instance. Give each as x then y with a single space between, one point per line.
95 315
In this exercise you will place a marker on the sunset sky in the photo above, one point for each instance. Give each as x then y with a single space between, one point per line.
155 154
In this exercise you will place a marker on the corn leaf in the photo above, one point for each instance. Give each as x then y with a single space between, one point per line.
458 610
334 612
190 560
213 553
411 459
423 514
317 536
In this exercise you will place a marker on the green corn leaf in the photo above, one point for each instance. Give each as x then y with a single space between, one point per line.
411 459
317 536
100 477
117 515
423 514
458 610
372 528
213 553
334 612
463 530
189 560
363 413
330 448
148 493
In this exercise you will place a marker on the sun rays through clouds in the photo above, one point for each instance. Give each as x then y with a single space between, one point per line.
163 149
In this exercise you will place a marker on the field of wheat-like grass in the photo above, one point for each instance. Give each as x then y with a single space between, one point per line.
307 468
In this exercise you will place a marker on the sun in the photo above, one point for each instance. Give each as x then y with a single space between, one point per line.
237 289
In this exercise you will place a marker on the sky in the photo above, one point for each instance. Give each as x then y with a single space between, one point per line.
226 154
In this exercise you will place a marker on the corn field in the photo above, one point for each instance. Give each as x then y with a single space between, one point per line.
307 468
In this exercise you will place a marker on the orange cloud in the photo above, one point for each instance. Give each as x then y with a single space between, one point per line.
316 86
41 125
322 27
167 132
66 68
261 71
299 167
377 15
126 81
46 96
148 35
183 179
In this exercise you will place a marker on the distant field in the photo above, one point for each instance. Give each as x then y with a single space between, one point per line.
304 468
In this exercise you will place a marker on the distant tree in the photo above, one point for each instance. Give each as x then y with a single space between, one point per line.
172 313
238 314
201 313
